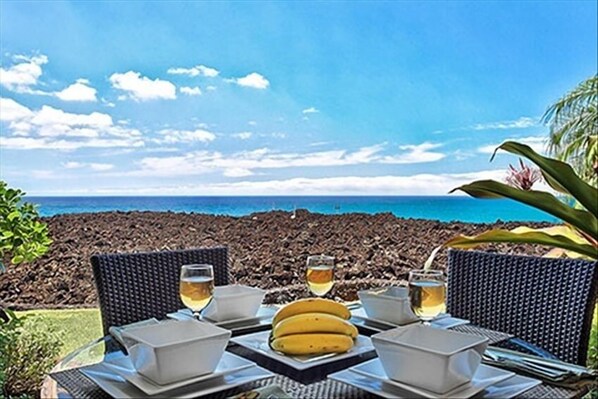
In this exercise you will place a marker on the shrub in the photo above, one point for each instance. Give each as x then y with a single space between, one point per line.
21 234
27 354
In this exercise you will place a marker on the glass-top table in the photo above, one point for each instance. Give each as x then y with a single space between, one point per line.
68 381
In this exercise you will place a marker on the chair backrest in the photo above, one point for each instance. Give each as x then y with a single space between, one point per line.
545 301
138 286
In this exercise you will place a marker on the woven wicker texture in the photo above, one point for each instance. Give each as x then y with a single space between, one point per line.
139 286
547 302
494 337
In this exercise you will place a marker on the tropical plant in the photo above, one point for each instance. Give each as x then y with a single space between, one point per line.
578 237
573 124
22 236
26 356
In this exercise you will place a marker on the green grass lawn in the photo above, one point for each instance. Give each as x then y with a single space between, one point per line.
75 327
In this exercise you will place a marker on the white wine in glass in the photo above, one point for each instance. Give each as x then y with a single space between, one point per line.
320 274
196 287
427 293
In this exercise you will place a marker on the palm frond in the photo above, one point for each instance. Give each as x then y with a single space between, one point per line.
573 124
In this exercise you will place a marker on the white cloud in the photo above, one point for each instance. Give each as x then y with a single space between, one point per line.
142 88
98 167
78 91
73 165
243 135
310 110
22 76
419 184
190 91
211 88
537 143
201 162
199 70
319 143
419 153
52 128
253 80
27 143
237 172
252 123
171 136
521 123
10 110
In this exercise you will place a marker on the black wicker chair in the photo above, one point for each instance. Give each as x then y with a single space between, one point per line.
139 286
547 302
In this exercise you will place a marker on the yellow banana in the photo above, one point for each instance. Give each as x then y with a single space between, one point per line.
314 323
309 344
311 305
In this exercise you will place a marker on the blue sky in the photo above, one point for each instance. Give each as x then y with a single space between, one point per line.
177 98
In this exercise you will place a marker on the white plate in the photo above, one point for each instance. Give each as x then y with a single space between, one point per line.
483 378
508 388
229 363
117 387
511 387
258 342
444 321
264 312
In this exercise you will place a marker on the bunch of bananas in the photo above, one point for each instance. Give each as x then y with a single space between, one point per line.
312 326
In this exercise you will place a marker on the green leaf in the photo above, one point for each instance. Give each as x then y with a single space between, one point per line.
530 236
559 175
17 259
581 219
13 215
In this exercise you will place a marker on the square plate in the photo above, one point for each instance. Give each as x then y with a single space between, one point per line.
117 387
508 388
258 342
483 378
444 320
264 316
229 363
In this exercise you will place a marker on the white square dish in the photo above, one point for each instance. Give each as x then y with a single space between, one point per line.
359 317
509 388
389 304
117 387
449 358
484 377
175 350
229 363
231 302
258 342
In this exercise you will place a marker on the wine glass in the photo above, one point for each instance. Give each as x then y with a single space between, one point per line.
196 287
320 274
427 293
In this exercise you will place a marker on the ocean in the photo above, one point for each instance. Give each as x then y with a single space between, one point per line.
443 208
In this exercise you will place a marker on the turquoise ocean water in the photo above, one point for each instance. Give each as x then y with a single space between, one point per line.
444 208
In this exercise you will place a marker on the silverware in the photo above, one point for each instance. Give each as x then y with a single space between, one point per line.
552 370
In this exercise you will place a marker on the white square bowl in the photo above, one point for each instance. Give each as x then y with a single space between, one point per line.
388 304
430 358
175 350
234 302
